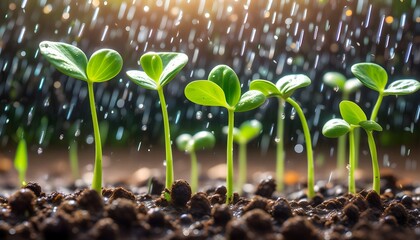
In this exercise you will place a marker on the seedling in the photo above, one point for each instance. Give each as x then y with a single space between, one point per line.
283 90
158 70
354 117
375 77
222 89
102 66
339 82
21 158
189 144
242 135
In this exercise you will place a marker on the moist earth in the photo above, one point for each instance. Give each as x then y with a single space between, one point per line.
127 213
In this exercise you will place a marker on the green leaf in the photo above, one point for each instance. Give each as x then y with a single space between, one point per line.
352 85
172 65
140 78
370 125
182 141
266 87
205 93
152 65
203 140
250 100
335 127
228 81
351 112
249 130
402 87
371 75
67 58
334 80
289 83
21 157
103 65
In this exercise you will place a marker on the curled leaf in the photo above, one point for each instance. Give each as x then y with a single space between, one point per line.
140 78
402 87
351 112
370 125
152 65
289 83
335 127
172 62
371 75
268 88
103 65
228 81
250 100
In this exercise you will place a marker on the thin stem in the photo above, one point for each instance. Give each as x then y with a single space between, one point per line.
280 147
341 156
242 167
194 172
308 141
74 162
229 157
375 165
352 185
97 170
376 107
356 147
168 148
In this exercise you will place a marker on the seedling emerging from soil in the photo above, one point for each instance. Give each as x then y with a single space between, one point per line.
242 135
375 77
158 70
21 158
354 117
339 82
222 89
201 140
102 66
283 90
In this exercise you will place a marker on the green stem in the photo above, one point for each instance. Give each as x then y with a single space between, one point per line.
242 167
356 147
97 170
352 185
229 157
74 160
376 107
341 156
308 141
280 147
375 165
194 172
168 148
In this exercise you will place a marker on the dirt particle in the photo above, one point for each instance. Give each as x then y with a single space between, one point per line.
236 230
105 229
34 187
373 199
121 193
258 221
298 228
90 200
266 188
22 202
221 190
221 215
352 212
185 219
55 198
156 218
123 212
199 205
316 200
360 202
58 227
398 211
180 193
256 203
407 201
281 210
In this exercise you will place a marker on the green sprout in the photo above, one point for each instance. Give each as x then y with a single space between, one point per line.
158 70
375 77
102 66
247 131
201 140
283 90
222 89
339 82
353 118
21 158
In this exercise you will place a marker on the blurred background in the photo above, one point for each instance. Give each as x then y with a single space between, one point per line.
258 39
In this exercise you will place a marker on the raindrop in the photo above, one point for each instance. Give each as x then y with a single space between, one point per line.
39 151
298 148
89 139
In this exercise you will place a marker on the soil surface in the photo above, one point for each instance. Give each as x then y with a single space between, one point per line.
128 213
132 207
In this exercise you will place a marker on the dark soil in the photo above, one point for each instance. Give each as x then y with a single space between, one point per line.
123 213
